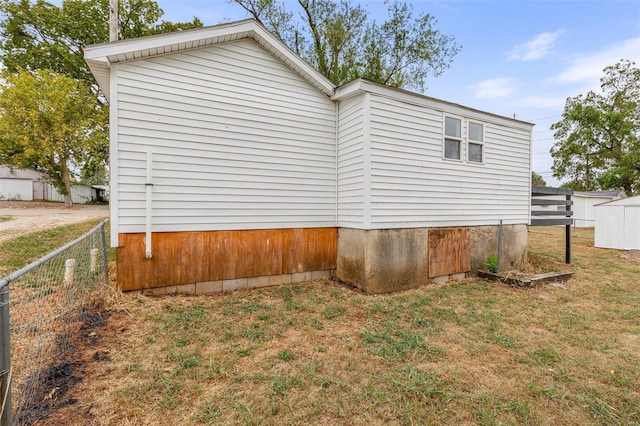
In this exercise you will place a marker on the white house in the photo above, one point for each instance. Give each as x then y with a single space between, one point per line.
618 224
236 164
30 185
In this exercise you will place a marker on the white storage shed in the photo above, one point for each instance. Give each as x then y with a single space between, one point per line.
618 224
16 189
584 213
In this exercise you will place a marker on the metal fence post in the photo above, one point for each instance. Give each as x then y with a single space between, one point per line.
5 358
103 238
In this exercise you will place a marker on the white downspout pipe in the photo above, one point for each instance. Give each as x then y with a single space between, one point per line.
149 186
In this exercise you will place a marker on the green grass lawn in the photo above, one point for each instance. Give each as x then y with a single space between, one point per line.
469 352
19 252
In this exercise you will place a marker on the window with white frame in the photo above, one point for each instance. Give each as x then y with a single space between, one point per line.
475 148
452 138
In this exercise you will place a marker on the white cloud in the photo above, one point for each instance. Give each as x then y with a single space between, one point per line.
550 101
587 68
493 88
537 48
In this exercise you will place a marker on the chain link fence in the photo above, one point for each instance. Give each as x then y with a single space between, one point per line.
42 307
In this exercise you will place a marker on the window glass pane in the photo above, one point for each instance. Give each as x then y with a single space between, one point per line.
452 127
475 152
451 149
475 132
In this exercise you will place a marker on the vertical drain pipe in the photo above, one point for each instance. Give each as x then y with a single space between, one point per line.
149 186
499 245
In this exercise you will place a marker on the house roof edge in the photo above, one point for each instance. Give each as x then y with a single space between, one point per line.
100 57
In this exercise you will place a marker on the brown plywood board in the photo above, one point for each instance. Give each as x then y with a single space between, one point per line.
449 251
190 257
309 246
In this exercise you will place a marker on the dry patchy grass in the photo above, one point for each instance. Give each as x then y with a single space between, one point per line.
471 352
24 249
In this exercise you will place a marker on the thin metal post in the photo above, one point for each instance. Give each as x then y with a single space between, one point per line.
499 245
105 261
567 235
5 359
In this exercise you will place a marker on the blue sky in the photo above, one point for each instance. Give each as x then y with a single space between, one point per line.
518 57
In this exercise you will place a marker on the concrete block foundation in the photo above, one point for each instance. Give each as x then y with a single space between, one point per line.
387 260
484 242
382 261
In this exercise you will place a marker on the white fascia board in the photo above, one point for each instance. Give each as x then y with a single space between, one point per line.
629 201
102 73
104 51
350 89
604 197
361 85
101 56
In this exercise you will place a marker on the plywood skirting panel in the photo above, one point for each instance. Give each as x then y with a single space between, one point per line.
190 257
449 251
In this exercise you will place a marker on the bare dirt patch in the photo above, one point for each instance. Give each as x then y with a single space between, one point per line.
22 217
59 401
631 255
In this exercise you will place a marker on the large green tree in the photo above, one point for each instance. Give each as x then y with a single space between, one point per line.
41 35
50 122
340 39
598 139
537 180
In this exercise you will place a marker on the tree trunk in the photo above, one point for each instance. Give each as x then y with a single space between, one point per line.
67 184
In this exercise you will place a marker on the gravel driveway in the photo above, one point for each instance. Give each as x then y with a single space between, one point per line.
21 217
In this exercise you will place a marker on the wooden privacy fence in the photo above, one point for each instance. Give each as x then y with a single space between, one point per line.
560 213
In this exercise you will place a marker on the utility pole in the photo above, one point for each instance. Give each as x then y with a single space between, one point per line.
113 20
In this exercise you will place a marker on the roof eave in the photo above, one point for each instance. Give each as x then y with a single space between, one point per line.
99 57
362 85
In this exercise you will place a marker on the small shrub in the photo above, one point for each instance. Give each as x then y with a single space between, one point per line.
492 263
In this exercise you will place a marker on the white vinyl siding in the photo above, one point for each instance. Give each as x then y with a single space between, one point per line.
239 141
617 223
413 186
351 169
